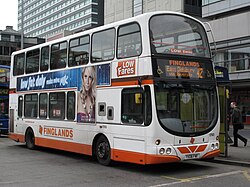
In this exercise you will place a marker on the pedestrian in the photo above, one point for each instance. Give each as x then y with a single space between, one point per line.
237 122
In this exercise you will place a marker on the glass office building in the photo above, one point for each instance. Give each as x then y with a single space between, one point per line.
115 10
47 18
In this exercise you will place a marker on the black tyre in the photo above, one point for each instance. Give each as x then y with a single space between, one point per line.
30 139
103 151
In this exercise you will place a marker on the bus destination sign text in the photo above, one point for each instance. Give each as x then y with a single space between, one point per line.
185 69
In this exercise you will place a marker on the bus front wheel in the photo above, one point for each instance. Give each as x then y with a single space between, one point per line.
30 139
103 152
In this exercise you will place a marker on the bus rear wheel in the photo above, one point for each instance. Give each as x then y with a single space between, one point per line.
103 152
30 139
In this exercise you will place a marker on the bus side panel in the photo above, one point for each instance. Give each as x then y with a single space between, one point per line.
136 147
64 145
109 97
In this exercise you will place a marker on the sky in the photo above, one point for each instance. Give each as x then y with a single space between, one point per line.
8 13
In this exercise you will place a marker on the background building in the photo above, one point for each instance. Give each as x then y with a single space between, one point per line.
230 21
10 41
47 18
115 10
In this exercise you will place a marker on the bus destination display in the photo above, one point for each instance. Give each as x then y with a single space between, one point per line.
184 69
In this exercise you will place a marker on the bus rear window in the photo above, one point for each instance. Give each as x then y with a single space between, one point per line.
18 64
171 34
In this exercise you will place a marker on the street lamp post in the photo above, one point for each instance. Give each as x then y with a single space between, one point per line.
22 33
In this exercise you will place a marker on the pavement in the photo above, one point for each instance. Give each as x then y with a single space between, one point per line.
237 155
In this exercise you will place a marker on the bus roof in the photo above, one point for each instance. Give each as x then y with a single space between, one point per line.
107 26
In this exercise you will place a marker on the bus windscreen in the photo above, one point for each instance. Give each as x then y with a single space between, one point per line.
172 34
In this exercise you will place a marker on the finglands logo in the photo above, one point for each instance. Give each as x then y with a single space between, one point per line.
58 132
126 67
192 140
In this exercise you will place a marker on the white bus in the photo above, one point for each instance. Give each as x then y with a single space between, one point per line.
141 90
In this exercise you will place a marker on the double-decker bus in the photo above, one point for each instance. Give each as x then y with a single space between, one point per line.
141 90
4 98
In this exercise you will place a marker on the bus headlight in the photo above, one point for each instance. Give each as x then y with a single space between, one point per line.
168 151
162 151
217 146
212 146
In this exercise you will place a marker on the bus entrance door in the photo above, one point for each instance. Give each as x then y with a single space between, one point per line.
224 86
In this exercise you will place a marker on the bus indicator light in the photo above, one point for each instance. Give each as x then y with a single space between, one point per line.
157 142
40 129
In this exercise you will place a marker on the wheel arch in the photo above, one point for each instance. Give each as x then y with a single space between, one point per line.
29 138
27 129
97 136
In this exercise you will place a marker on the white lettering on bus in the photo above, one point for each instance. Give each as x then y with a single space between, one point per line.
126 67
40 81
24 84
31 83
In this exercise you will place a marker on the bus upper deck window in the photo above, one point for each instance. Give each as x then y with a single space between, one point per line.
103 45
58 55
129 41
32 61
44 65
19 64
79 51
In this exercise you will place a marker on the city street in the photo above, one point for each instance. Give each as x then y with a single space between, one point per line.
46 167
141 81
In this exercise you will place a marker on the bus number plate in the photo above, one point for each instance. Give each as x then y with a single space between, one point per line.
192 156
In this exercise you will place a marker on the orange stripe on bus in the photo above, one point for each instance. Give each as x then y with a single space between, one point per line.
17 137
211 154
130 83
192 148
128 156
117 155
12 91
201 148
56 144
141 158
157 159
63 145
183 150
